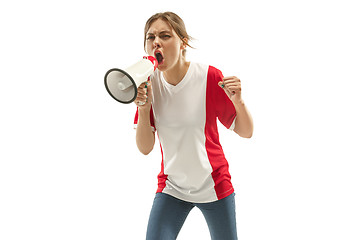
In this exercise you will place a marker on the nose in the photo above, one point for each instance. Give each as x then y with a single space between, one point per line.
156 42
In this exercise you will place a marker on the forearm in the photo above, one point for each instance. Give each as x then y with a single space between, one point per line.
243 123
145 137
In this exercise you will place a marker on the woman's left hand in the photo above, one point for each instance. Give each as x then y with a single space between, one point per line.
232 88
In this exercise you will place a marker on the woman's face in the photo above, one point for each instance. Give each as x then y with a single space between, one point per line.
163 43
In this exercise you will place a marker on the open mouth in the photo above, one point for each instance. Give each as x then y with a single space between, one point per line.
159 57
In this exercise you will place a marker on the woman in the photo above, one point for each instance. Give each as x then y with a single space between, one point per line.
182 102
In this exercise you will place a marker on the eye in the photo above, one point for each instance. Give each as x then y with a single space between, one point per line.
165 36
150 37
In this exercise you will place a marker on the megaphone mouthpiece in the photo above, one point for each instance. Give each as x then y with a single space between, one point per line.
153 60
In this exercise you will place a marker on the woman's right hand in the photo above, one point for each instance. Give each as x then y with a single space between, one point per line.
144 96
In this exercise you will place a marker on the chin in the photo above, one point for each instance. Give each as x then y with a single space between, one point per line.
162 68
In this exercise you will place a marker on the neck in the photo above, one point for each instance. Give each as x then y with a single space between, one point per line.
177 73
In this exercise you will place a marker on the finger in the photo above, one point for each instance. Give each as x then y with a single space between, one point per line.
142 85
140 102
232 84
229 77
149 90
148 86
232 81
141 97
227 91
144 94
141 90
141 93
234 88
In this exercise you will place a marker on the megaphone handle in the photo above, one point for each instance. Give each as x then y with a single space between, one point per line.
142 103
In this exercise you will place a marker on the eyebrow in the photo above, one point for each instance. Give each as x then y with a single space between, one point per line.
162 32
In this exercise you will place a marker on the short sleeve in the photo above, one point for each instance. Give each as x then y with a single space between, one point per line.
136 118
224 108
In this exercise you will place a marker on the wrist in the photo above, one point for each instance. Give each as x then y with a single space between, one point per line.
239 103
144 111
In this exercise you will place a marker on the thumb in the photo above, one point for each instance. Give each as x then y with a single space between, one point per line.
148 86
149 89
221 84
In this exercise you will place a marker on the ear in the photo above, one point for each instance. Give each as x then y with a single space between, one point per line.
184 43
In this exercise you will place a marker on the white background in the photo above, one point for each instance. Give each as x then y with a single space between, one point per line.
69 165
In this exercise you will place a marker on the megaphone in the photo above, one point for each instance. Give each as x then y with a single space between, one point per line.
122 85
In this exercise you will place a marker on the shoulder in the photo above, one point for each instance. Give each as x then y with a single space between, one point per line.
199 67
213 72
214 76
210 71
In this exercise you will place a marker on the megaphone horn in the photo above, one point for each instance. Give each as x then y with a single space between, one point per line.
122 84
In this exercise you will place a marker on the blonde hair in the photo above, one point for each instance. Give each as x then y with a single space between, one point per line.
175 22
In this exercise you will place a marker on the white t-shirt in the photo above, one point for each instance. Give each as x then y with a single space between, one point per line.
193 167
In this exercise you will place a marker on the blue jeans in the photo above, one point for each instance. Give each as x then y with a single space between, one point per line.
168 215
